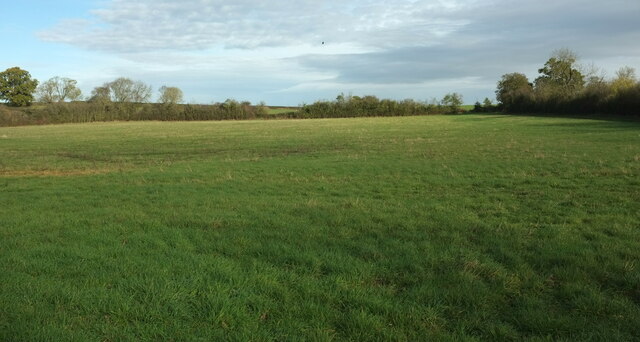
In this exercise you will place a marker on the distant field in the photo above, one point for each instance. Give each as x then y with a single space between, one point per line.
281 110
468 227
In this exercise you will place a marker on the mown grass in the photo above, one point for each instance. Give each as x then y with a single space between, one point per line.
472 227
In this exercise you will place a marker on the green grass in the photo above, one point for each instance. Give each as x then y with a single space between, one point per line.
468 227
281 110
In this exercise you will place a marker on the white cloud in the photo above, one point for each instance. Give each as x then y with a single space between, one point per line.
147 25
388 48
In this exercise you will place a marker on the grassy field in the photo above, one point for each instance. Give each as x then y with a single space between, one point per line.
281 110
470 227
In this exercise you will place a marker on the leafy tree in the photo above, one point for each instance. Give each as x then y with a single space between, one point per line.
513 90
477 107
559 76
452 101
17 87
58 89
485 107
262 108
625 79
170 95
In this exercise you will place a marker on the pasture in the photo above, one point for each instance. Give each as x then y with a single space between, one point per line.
281 110
469 227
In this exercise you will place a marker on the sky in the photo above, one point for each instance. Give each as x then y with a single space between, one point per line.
294 52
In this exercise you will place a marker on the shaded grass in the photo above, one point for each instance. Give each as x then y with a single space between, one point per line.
474 227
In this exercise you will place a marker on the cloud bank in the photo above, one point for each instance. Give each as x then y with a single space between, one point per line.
369 45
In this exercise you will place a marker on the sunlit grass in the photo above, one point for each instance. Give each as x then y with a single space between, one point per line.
476 227
281 110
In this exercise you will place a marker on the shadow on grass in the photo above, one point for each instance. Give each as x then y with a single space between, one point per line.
629 122
596 123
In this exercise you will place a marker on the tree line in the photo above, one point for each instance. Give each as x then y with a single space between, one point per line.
92 111
124 90
107 110
564 87
19 89
125 99
355 106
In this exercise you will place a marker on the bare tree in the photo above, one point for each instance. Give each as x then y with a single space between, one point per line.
101 94
141 92
58 89
170 95
593 73
67 89
46 92
126 90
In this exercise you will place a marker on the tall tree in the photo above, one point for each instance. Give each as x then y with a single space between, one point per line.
514 90
58 89
559 76
100 94
17 87
67 89
452 101
170 95
126 90
46 92
625 79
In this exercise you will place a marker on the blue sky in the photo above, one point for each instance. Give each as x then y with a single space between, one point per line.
272 51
